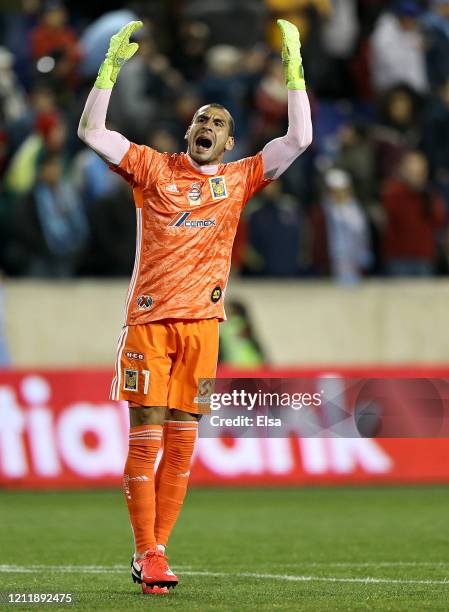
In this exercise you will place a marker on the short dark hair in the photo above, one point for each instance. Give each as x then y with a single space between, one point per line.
231 118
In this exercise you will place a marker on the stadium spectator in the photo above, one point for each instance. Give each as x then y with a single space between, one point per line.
50 225
94 40
397 129
436 29
305 14
91 177
16 25
190 49
435 135
339 35
163 140
12 96
233 17
55 48
225 82
50 135
147 91
276 233
239 346
397 46
356 157
113 234
339 231
341 29
414 214
184 107
41 110
270 102
369 12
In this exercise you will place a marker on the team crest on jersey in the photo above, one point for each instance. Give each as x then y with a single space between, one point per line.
131 380
144 302
218 187
194 194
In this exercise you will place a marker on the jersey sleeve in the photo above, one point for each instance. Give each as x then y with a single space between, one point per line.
140 165
252 170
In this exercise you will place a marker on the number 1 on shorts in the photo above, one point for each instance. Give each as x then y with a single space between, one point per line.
146 383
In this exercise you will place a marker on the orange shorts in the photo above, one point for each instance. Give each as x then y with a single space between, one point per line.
160 364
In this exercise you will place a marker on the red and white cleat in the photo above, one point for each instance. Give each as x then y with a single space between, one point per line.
153 571
154 590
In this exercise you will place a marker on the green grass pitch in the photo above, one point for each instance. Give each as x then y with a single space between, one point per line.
275 549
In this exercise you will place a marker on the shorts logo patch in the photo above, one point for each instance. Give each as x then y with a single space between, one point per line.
131 380
206 388
134 355
144 302
194 194
216 294
218 187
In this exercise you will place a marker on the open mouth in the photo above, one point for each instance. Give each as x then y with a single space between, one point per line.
203 143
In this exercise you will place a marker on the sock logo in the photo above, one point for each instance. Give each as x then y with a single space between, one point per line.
127 479
126 486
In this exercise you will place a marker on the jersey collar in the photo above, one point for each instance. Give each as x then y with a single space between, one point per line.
210 170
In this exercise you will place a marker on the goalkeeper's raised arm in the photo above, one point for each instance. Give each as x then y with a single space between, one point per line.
277 155
281 152
110 145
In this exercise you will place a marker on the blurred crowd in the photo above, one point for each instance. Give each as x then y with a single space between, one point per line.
369 198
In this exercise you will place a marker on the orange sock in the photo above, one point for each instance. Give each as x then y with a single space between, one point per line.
138 483
173 475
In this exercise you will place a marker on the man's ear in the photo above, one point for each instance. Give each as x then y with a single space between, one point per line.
230 143
186 135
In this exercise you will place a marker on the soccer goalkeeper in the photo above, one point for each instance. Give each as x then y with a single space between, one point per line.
187 207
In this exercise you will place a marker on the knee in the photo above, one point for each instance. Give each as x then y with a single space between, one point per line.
181 415
146 415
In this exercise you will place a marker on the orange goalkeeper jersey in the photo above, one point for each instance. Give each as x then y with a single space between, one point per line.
186 224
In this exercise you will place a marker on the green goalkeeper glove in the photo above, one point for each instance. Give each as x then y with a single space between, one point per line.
291 55
120 51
